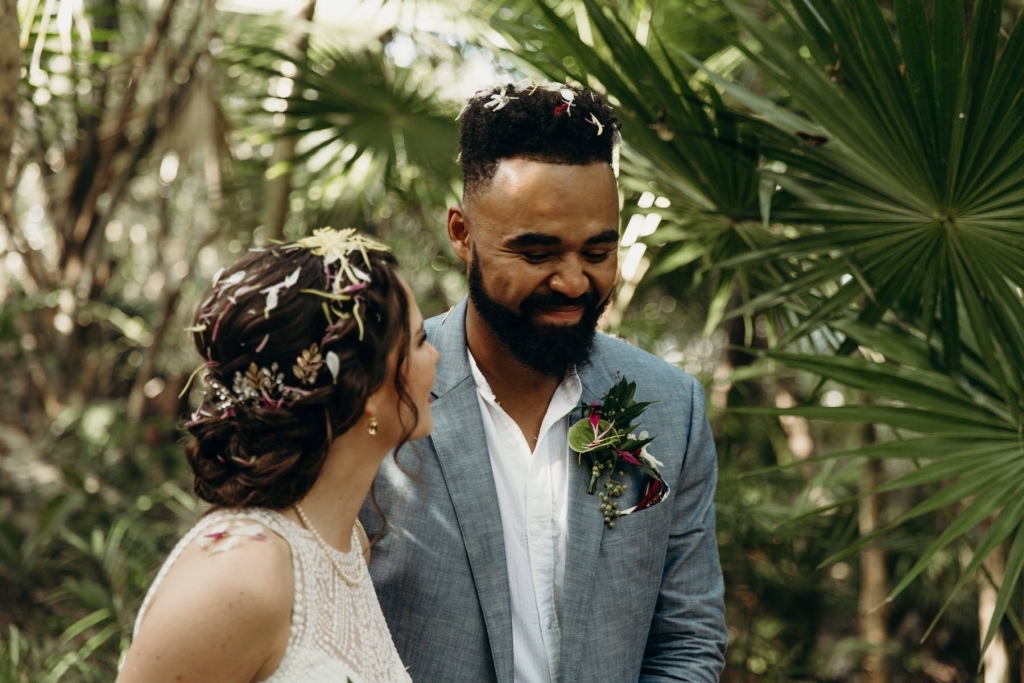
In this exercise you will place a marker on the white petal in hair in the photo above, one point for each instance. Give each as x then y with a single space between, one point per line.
333 364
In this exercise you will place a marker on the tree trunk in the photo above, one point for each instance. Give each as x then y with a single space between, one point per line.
871 611
995 660
10 78
279 187
796 428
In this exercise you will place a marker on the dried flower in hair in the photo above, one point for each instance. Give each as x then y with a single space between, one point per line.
344 278
528 82
334 365
273 290
307 366
253 378
567 96
499 100
234 279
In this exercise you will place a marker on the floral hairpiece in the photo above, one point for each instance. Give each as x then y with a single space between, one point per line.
344 279
265 386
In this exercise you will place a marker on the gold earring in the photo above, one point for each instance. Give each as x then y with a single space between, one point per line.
371 427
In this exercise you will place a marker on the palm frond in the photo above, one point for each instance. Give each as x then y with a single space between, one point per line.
355 110
956 430
918 177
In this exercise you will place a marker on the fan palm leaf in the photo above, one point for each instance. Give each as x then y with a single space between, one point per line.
957 431
381 113
918 178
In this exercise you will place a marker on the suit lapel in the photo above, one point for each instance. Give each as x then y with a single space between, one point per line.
583 542
461 447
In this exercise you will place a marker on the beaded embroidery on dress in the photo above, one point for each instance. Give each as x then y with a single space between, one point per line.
338 630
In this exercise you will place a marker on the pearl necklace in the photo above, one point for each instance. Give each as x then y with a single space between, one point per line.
331 552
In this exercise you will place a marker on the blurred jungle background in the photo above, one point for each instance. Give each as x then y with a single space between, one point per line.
823 220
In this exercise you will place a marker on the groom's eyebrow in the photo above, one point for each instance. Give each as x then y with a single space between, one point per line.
539 239
604 237
534 239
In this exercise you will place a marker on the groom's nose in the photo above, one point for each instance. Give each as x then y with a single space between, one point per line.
570 279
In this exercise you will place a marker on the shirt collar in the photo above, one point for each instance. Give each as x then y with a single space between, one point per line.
565 399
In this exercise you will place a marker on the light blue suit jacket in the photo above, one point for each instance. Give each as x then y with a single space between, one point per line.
642 601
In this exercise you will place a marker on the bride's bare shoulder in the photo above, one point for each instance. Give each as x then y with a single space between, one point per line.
239 553
224 605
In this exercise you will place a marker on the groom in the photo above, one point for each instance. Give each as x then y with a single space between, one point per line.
496 564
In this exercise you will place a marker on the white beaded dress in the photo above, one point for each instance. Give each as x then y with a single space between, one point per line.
337 630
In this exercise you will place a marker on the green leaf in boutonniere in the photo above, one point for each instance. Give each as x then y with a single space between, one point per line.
585 437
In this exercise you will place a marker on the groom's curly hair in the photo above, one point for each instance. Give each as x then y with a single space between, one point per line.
532 121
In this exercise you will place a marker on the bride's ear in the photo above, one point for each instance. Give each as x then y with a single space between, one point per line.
370 409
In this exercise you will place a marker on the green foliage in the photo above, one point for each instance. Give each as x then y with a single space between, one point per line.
956 431
84 544
375 143
357 107
913 193
917 201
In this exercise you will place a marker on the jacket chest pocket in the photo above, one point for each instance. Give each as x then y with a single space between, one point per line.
631 563
650 524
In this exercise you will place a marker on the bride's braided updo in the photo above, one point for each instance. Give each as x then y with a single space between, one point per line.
295 338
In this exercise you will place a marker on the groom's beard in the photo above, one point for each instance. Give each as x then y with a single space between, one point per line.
550 350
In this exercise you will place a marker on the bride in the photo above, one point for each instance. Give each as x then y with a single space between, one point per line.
317 367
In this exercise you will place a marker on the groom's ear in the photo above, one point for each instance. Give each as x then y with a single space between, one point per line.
458 233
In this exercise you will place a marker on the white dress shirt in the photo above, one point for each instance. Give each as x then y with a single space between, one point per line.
532 487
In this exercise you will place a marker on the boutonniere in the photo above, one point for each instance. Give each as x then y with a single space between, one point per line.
606 436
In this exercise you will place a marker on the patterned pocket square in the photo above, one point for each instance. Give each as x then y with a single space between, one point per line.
655 491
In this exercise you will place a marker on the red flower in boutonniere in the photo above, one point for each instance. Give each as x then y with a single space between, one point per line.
605 435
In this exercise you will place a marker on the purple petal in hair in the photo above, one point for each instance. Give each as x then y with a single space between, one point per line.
352 288
216 326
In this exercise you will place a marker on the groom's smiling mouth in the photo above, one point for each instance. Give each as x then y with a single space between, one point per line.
560 314
558 309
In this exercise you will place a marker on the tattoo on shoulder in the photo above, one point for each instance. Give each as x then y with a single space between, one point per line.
226 535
